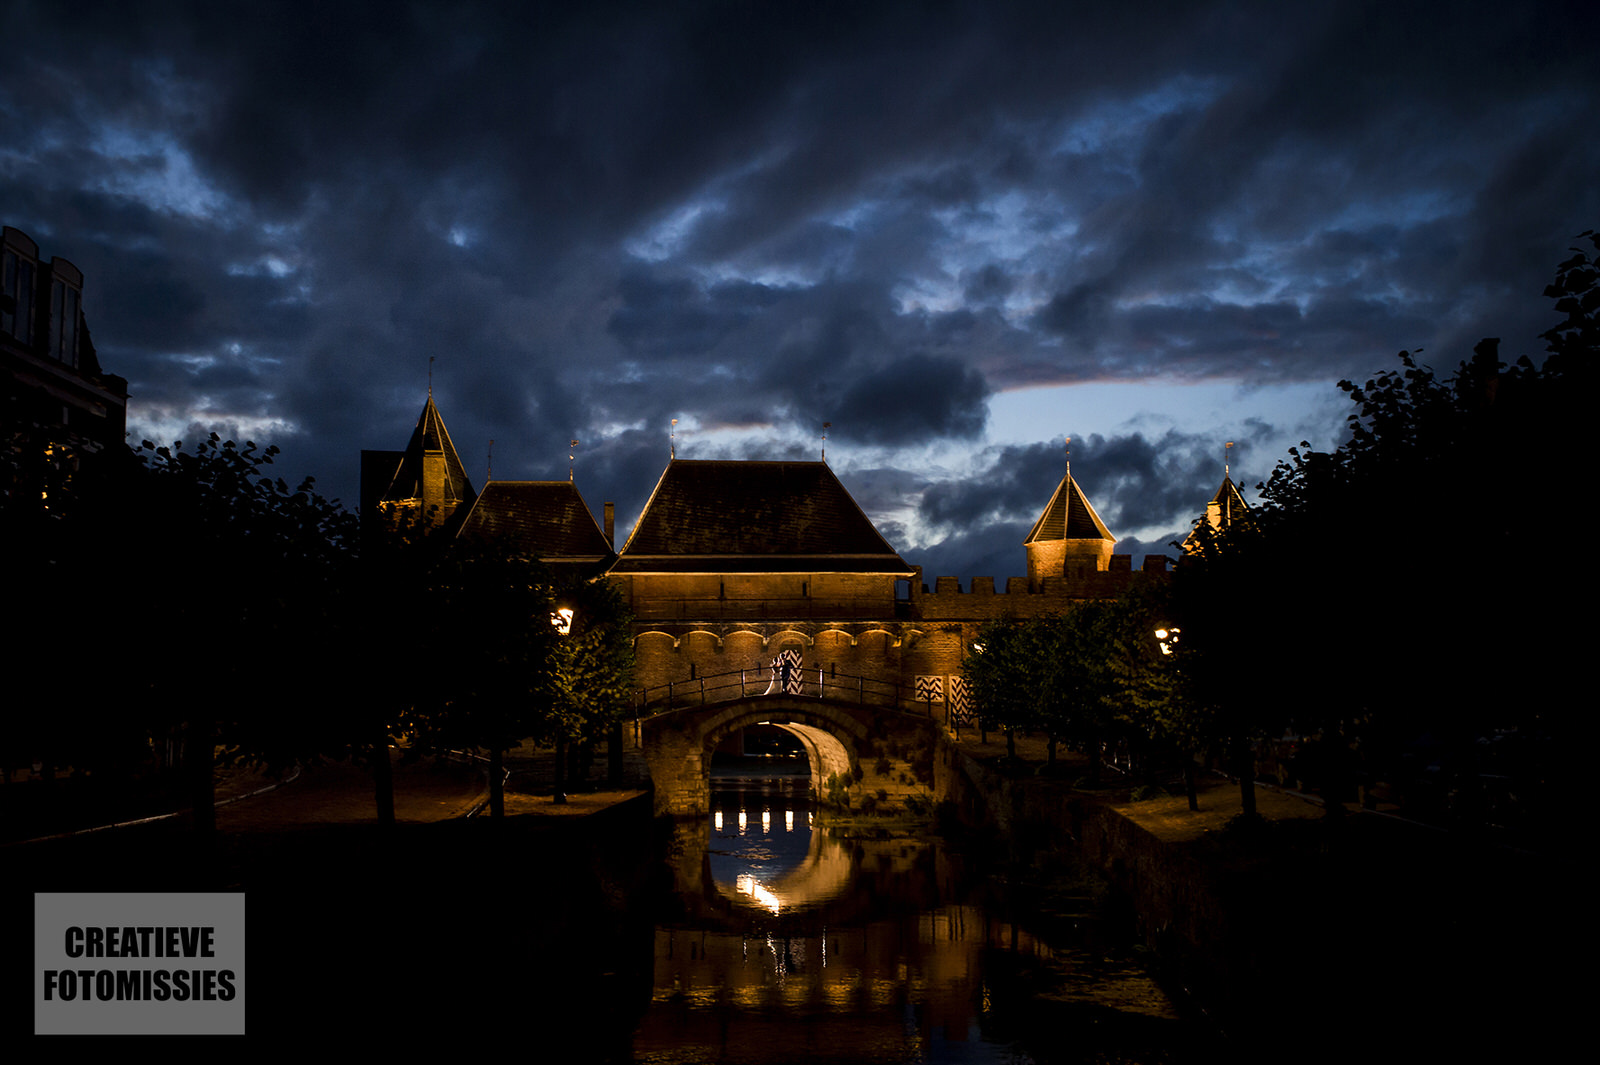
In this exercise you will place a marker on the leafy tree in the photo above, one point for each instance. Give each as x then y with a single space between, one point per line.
1076 702
501 669
194 581
592 671
1046 674
241 565
489 681
1392 587
1228 604
1001 675
1148 689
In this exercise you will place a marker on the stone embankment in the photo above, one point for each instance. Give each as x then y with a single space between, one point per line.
1319 938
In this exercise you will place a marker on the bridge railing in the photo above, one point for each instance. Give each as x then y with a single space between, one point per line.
747 683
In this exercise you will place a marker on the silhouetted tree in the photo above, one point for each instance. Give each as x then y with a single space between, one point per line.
182 593
1392 589
1142 642
487 678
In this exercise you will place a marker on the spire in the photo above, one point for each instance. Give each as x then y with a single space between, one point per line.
1224 509
429 474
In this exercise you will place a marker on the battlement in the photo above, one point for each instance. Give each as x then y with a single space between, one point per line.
1024 599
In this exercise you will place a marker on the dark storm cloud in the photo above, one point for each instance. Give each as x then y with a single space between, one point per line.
1135 483
595 218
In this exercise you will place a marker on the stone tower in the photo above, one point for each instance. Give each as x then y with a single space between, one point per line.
1069 539
426 482
1226 508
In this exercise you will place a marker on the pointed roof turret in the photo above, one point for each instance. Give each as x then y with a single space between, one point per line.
1069 539
1224 509
428 474
429 468
1069 516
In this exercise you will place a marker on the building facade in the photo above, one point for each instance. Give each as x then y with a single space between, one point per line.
765 572
58 406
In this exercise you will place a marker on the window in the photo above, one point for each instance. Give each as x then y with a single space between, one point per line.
64 301
16 296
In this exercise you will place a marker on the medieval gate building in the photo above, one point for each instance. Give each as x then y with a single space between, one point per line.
750 579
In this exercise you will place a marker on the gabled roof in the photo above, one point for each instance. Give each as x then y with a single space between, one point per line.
1069 516
754 517
547 520
429 435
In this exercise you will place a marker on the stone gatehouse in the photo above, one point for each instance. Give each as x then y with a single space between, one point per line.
769 568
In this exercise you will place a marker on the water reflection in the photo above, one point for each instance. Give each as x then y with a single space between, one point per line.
793 942
762 850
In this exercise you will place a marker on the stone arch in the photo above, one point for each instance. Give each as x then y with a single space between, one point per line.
869 747
640 637
827 752
786 636
703 641
678 746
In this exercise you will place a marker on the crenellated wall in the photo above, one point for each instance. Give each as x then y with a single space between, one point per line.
1023 599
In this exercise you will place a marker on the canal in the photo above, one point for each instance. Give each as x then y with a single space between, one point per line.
788 936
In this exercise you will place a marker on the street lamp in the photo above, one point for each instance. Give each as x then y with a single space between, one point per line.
561 622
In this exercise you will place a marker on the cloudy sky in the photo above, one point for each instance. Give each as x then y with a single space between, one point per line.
957 232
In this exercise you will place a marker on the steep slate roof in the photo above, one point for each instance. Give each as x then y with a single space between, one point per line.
754 517
1069 516
547 520
429 435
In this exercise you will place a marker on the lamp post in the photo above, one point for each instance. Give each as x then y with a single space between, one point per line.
1167 640
561 622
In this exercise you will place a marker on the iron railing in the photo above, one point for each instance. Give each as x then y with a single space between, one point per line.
803 684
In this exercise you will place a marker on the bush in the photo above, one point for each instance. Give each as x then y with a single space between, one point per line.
837 789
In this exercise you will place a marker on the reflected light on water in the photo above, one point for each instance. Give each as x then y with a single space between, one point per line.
749 885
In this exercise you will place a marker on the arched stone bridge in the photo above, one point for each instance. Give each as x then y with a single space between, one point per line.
887 754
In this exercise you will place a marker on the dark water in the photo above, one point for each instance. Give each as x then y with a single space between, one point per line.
789 941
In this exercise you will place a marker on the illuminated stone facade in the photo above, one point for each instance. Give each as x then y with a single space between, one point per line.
737 567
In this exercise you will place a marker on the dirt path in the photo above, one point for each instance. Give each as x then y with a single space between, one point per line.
342 794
